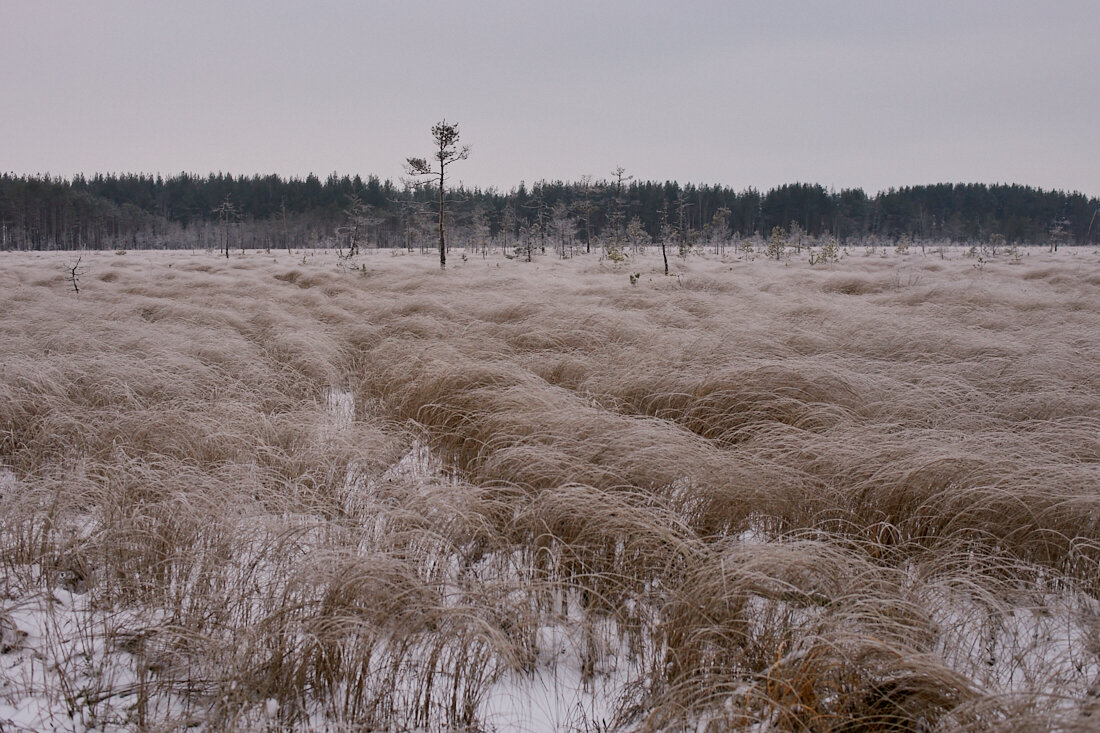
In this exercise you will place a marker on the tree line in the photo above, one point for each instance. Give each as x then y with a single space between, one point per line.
110 211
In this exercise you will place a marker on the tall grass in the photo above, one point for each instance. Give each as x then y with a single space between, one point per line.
861 497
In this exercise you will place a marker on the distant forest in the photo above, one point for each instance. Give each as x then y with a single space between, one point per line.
185 210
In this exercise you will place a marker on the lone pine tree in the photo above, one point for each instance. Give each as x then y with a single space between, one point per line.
446 152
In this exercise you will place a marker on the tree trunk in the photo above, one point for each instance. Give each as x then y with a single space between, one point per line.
442 243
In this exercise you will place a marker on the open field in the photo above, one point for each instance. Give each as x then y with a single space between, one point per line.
272 492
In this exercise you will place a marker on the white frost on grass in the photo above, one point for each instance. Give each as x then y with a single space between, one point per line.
70 664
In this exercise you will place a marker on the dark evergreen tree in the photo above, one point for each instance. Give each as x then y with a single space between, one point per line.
135 210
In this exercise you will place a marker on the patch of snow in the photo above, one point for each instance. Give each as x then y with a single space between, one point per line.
8 480
1049 645
340 406
558 694
72 668
418 462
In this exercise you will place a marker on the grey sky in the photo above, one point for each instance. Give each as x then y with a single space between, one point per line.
843 93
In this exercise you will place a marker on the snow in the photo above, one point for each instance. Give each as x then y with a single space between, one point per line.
70 669
556 695
340 407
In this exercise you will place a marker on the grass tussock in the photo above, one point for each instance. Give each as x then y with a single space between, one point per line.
755 496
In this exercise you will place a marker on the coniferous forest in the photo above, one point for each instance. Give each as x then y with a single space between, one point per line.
188 210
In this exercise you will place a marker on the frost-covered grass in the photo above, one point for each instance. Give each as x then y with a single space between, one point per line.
272 492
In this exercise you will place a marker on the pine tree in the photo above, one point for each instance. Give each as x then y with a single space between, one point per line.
447 151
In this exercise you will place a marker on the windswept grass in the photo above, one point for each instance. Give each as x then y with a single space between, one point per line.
754 496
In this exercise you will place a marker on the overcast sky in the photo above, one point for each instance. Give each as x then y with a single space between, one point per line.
869 93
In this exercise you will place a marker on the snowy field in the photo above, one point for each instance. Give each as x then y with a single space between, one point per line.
298 492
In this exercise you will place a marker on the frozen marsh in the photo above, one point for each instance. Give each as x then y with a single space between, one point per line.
273 492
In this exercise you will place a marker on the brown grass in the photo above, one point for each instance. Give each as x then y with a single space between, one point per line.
854 498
